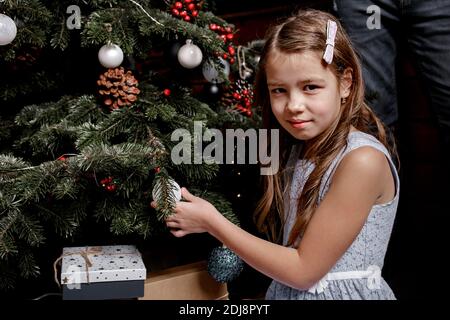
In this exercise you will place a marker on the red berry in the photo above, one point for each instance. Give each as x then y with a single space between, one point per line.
230 36
111 187
178 5
213 26
166 92
194 13
225 56
191 6
187 1
231 50
224 38
187 18
157 169
228 29
183 13
175 12
232 60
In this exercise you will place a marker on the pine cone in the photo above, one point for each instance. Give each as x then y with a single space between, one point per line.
118 88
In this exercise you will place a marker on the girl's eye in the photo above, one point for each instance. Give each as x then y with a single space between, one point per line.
311 87
277 90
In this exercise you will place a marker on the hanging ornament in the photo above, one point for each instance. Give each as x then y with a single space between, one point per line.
212 92
175 190
189 55
110 55
8 30
224 265
212 75
118 88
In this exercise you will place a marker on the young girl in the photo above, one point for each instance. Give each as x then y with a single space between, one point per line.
333 202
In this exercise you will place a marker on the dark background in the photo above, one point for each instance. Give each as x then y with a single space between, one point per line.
413 265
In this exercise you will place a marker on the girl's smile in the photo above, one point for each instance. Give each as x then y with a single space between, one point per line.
299 124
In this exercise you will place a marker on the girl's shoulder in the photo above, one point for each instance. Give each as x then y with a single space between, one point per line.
357 139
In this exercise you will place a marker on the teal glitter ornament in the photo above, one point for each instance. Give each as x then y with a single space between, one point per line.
224 265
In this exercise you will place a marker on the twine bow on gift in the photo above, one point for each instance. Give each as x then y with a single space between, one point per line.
84 254
331 35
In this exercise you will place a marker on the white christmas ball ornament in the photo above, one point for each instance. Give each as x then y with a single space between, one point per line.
110 55
189 55
212 75
8 30
176 190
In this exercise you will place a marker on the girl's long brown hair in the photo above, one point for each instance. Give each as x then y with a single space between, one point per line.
306 31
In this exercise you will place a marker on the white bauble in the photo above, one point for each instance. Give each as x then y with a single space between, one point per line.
176 190
110 55
189 55
8 30
212 75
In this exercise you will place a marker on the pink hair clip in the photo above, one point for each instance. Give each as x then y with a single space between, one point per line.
331 35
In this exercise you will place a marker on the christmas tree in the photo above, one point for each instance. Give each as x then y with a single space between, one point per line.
90 93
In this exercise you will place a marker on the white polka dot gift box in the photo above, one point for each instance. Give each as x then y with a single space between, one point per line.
102 272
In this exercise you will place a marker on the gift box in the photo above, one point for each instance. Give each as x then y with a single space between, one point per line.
102 272
186 282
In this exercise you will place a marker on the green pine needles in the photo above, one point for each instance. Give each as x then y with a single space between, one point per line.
64 156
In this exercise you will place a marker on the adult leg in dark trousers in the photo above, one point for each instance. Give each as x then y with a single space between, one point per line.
414 261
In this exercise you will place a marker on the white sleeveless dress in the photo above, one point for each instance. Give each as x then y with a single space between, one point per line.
357 274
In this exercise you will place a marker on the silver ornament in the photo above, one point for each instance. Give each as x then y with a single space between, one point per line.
110 55
8 30
176 190
212 75
189 55
224 265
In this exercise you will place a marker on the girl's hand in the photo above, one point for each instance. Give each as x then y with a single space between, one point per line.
190 216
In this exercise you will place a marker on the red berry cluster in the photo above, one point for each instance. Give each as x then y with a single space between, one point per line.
243 97
186 9
226 34
109 184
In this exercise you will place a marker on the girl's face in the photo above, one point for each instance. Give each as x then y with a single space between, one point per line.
304 94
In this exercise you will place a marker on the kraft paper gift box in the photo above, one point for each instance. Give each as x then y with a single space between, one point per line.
102 272
186 282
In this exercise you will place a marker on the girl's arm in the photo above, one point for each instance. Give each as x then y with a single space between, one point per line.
362 177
